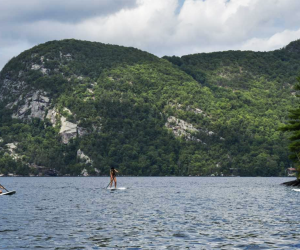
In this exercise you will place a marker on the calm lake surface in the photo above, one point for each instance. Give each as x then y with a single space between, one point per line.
153 213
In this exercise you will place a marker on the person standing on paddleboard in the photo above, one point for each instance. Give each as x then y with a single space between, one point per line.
113 178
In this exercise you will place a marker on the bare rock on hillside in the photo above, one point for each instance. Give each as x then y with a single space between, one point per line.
52 116
11 88
68 130
181 128
11 147
33 105
83 157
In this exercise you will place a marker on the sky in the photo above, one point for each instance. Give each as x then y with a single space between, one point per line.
161 27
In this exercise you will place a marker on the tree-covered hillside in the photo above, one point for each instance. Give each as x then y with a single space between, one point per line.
78 107
254 91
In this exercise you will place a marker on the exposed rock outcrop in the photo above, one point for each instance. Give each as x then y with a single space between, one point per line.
197 111
181 128
68 130
11 88
83 157
36 104
11 147
67 57
179 106
41 67
81 131
97 171
68 111
52 116
33 105
84 172
35 67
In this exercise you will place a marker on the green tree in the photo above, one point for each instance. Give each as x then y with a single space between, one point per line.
293 127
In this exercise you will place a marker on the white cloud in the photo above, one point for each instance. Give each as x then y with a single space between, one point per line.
149 25
161 27
276 41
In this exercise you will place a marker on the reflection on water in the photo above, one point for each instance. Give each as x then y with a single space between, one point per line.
153 213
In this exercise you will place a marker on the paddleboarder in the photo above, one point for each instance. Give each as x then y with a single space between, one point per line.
113 178
7 192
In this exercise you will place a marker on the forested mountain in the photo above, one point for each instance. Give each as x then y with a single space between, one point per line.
77 107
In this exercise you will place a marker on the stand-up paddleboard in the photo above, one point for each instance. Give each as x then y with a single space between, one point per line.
120 188
9 193
297 190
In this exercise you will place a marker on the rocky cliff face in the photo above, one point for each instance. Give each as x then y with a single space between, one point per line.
33 105
11 88
36 104
52 115
69 130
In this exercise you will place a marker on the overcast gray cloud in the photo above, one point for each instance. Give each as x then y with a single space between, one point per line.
161 27
59 10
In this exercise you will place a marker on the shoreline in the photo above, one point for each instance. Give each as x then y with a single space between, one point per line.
168 176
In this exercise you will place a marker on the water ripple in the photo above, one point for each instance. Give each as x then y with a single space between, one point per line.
154 213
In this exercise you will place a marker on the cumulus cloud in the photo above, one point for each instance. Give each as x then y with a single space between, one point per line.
161 27
276 41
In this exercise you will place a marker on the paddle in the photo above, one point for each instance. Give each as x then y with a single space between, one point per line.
3 188
109 184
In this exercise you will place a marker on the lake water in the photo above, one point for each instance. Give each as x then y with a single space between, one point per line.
153 213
